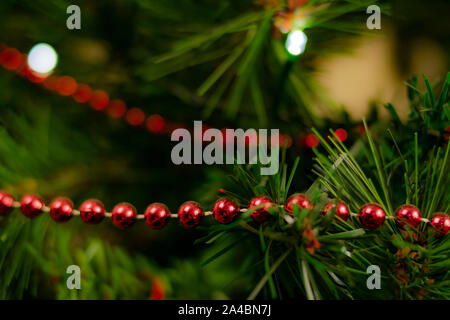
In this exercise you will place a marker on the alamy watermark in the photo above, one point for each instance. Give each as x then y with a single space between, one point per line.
74 20
74 280
374 280
374 20
237 142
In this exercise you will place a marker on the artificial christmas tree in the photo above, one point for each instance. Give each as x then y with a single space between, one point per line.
88 146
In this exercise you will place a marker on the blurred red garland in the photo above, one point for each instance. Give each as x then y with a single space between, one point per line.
12 59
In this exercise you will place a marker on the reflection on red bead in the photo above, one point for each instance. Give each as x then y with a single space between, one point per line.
342 210
10 58
6 203
225 210
99 100
298 199
157 215
92 211
83 93
61 209
31 205
441 223
135 116
372 216
190 214
261 214
155 123
408 214
116 108
67 86
124 215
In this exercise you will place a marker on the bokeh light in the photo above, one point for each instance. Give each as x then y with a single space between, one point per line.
295 42
42 58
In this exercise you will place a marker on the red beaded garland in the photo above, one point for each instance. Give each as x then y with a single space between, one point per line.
6 203
408 214
342 210
441 223
190 214
124 215
225 210
372 216
92 211
157 215
31 205
298 199
261 214
61 209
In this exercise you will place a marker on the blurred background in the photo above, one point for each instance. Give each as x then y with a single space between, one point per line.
161 65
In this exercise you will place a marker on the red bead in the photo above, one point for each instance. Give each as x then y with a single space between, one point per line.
298 199
67 86
342 210
261 214
31 205
372 216
155 123
312 141
116 108
190 214
10 58
135 116
83 93
408 214
341 134
6 203
92 211
51 83
225 210
61 209
99 100
157 215
124 215
441 223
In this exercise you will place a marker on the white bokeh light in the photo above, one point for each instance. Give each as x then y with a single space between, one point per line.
296 41
42 58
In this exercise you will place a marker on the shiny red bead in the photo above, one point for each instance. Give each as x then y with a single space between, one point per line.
31 205
225 210
157 215
6 203
371 216
261 214
124 215
61 209
92 211
408 214
342 210
441 223
298 199
190 214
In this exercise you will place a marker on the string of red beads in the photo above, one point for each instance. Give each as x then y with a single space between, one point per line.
225 211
